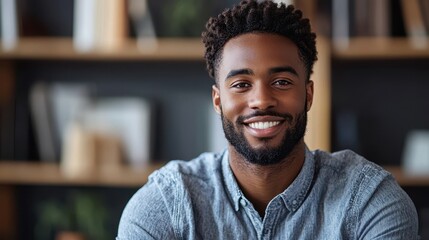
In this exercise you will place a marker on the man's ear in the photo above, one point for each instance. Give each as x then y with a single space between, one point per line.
309 88
216 98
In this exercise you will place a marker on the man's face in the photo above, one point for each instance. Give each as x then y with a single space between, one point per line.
262 96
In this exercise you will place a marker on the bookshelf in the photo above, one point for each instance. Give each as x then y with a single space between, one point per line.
379 82
51 57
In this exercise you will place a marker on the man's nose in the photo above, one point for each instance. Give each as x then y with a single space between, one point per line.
262 98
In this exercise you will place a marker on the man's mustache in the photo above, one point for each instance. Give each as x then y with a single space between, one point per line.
288 117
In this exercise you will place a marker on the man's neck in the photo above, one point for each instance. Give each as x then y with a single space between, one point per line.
260 184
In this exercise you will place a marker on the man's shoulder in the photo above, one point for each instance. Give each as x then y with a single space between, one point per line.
349 166
374 200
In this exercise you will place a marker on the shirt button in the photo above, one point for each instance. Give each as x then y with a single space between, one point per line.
243 202
294 202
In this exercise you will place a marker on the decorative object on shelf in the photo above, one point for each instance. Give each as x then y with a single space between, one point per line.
90 133
141 21
8 25
184 18
414 23
416 153
109 131
79 152
130 119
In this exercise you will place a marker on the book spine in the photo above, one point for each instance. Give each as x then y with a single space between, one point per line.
9 24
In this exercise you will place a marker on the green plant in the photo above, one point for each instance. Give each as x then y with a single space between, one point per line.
185 17
82 212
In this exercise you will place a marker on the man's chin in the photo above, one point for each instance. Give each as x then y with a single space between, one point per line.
264 144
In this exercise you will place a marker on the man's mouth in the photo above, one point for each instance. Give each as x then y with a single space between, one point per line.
263 125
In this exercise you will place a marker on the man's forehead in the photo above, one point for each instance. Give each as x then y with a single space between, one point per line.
253 49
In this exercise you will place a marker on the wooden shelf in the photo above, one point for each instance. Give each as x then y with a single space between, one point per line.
62 49
34 173
380 48
407 180
53 48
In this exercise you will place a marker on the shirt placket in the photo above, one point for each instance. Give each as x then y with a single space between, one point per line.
274 209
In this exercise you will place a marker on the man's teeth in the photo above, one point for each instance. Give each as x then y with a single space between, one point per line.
263 125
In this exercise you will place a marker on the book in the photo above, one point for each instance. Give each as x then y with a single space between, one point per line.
68 102
380 19
99 25
7 111
42 122
8 24
84 25
361 17
340 23
371 18
425 13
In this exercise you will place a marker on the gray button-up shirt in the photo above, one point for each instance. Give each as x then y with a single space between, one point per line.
335 196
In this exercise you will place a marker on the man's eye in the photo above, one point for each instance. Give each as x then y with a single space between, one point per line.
241 85
282 82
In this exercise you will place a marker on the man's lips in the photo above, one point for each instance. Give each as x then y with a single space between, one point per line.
263 119
263 126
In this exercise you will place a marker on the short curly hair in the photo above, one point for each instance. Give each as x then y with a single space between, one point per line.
264 17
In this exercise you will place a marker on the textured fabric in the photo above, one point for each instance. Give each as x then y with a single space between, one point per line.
335 196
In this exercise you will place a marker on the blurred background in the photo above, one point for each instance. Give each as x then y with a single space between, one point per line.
97 94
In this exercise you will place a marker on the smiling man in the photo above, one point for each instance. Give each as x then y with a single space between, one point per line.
267 184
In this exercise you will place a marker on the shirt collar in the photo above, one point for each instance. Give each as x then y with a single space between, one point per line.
293 196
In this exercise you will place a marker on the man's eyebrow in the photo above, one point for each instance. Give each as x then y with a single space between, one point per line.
236 72
283 69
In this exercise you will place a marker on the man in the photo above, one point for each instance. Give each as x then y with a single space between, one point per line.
267 184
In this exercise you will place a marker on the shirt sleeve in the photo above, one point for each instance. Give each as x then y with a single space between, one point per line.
145 216
387 213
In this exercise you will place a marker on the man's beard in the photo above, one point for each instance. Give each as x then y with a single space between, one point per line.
266 155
